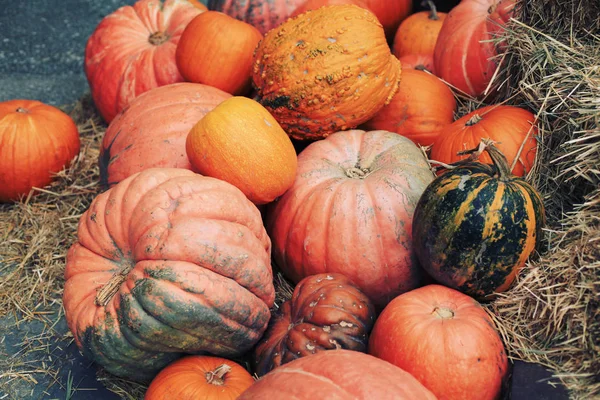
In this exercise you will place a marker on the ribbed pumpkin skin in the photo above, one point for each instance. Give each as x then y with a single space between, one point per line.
418 34
423 106
473 231
446 340
508 126
127 55
151 132
464 53
339 71
350 211
338 375
36 141
189 260
326 312
264 15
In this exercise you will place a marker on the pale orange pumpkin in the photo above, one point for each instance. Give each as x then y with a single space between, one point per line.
36 141
418 33
216 49
200 377
241 143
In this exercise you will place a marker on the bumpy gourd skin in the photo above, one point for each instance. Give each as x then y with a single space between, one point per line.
326 70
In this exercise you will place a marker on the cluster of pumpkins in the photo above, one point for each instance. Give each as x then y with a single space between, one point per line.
231 144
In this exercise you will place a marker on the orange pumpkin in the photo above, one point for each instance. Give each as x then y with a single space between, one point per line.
200 377
339 71
445 339
314 4
36 141
423 106
198 4
390 13
418 33
510 127
241 143
217 50
418 61
133 50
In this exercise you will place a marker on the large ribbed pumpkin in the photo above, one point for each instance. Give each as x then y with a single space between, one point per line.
326 70
151 132
476 225
338 375
167 262
465 53
350 211
132 51
264 15
326 312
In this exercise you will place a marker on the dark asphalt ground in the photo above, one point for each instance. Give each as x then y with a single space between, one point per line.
42 46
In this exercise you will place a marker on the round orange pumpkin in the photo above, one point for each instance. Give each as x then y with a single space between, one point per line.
337 374
350 211
217 50
423 106
465 52
314 4
36 142
326 70
418 33
510 127
167 262
241 143
445 339
151 132
390 13
200 378
418 62
132 51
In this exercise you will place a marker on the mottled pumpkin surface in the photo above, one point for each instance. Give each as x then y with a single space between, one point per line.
264 15
167 262
326 312
326 70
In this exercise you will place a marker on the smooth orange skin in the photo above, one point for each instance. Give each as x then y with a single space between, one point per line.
337 375
314 4
216 49
35 144
390 13
120 61
418 34
508 126
458 358
465 55
423 106
185 379
198 4
241 143
417 61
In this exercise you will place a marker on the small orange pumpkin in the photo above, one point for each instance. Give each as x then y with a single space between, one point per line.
418 33
200 377
36 141
216 49
418 61
326 70
241 143
423 106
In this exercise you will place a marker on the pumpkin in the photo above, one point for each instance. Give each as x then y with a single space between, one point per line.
338 71
314 4
476 225
198 4
217 50
446 340
151 132
418 33
326 312
417 61
241 143
122 52
512 128
340 374
264 15
200 377
36 141
167 262
423 106
465 52
350 211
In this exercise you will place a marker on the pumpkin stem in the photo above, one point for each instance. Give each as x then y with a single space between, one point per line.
357 173
433 15
443 313
158 38
22 110
216 376
110 288
499 160
474 119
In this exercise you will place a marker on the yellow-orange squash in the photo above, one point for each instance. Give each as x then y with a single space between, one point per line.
418 33
326 70
241 143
